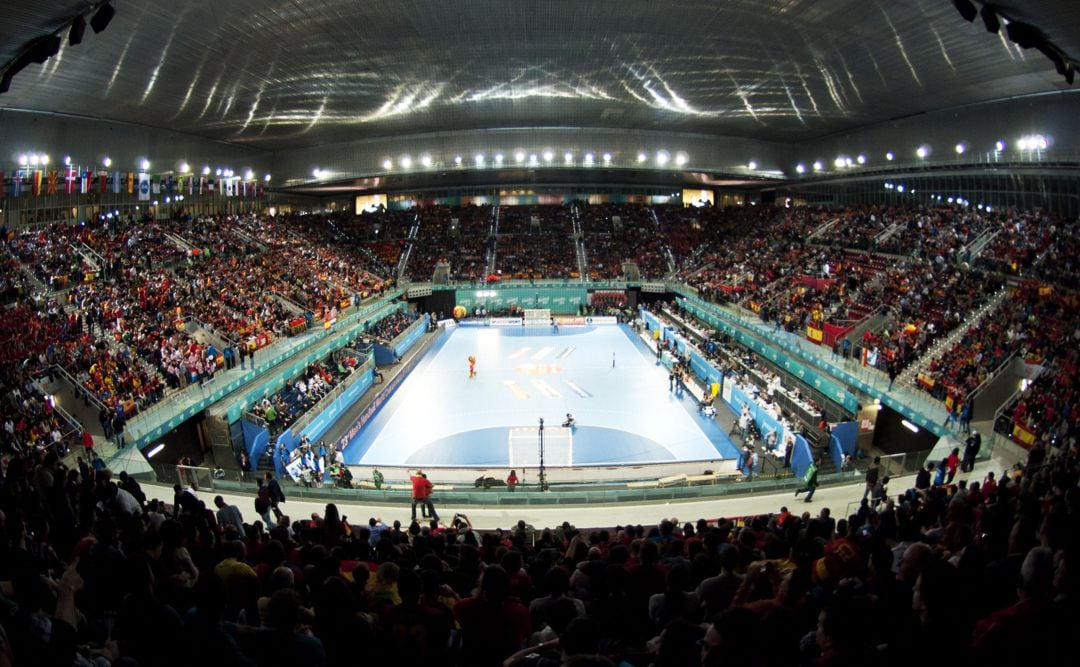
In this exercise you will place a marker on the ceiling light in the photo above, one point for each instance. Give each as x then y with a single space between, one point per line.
999 146
533 159
848 162
568 157
1040 142
839 163
107 162
479 159
498 158
34 159
888 186
248 175
909 426
183 168
641 157
751 165
45 158
266 178
889 156
861 159
922 151
315 172
519 157
67 160
23 160
549 156
800 168
607 158
387 164
662 158
681 159
206 171
101 18
425 160
588 158
457 160
817 165
405 161
900 188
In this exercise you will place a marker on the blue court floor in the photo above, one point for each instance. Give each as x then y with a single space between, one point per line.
439 416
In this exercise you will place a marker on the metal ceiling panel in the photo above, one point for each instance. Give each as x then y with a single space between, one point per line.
284 74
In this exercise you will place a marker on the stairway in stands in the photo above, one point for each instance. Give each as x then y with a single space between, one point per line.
907 377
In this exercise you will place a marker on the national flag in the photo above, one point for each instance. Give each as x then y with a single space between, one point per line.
814 334
191 185
210 186
52 183
144 187
1023 436
84 183
129 182
69 180
202 184
35 183
925 380
117 182
16 184
155 185
230 187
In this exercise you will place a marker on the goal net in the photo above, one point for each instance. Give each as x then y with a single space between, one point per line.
524 446
198 478
535 317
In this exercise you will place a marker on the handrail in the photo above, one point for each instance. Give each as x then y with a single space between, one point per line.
87 394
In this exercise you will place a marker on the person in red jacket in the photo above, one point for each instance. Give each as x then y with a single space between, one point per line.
421 493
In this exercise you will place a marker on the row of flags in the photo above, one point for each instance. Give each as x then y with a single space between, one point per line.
73 180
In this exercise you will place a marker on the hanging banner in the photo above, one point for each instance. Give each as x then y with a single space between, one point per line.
144 187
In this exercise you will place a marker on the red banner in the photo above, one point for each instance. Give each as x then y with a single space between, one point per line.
834 333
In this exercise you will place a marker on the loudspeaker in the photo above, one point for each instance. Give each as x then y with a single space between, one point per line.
101 18
44 48
78 29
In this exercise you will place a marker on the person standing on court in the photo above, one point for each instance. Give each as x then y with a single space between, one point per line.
872 474
421 493
512 481
276 494
811 481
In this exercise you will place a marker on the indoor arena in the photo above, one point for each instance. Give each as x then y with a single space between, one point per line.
539 334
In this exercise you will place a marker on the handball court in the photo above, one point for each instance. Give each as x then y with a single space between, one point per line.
624 412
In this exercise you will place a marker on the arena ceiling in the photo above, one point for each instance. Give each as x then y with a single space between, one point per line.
284 74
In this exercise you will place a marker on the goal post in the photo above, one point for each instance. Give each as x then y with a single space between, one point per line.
535 317
524 447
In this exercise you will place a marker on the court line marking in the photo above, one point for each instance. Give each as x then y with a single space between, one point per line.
516 390
543 352
519 352
577 389
566 353
546 389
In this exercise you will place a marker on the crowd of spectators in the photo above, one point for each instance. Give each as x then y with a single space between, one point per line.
968 572
388 328
300 394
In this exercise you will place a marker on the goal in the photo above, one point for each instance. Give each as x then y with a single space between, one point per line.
536 317
524 446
